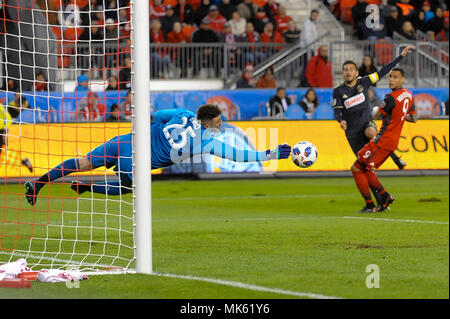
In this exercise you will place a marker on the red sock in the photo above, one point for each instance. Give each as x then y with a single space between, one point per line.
373 181
363 185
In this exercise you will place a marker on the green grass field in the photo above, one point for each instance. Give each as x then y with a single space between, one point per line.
281 238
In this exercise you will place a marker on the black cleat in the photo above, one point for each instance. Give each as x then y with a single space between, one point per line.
30 193
400 163
26 162
80 188
369 209
386 201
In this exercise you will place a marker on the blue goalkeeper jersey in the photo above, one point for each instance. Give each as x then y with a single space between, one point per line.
176 135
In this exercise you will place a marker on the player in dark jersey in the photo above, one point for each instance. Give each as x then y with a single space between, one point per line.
397 108
351 106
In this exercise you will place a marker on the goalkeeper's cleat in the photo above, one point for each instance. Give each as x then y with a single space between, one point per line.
369 208
30 194
388 199
80 188
400 163
27 163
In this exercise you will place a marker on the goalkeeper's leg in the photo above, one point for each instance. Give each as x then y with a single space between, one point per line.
65 168
124 186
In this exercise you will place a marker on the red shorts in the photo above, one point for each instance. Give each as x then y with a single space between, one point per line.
372 156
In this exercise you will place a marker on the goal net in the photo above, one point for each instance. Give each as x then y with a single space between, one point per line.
65 68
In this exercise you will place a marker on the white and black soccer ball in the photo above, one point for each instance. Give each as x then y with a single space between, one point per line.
304 154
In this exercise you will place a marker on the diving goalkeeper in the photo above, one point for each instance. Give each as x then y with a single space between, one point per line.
176 135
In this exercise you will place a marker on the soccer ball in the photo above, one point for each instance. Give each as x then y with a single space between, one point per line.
304 154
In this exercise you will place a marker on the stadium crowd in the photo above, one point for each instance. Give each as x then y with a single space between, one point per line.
100 30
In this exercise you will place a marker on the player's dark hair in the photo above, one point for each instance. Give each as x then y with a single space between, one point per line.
208 112
350 62
402 72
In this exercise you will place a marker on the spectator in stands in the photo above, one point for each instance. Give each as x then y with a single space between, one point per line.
12 85
271 8
309 29
111 31
233 52
278 104
246 81
359 16
113 84
406 9
271 36
282 19
125 74
443 35
168 20
90 46
267 81
202 11
194 3
247 9
179 54
124 23
309 102
436 24
184 12
373 98
115 115
40 84
292 34
367 67
237 24
158 55
111 9
89 109
408 30
394 22
125 106
83 83
226 8
157 10
17 105
252 55
260 20
216 20
429 14
418 21
318 71
207 56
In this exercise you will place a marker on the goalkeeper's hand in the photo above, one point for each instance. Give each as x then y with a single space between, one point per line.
280 152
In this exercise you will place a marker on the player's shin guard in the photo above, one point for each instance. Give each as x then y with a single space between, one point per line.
65 168
363 186
373 181
376 194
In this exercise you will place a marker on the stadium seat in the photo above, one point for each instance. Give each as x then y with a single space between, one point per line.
295 112
323 111
346 10
165 101
384 51
192 101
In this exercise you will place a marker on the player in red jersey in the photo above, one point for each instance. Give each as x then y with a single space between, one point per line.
397 108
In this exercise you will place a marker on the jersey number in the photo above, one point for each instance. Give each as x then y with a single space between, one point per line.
405 108
183 133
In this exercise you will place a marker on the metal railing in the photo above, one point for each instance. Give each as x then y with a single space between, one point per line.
427 66
175 61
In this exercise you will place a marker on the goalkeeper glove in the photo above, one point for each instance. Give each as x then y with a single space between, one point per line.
280 152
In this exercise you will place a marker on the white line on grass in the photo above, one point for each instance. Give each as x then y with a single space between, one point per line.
256 196
398 220
236 284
